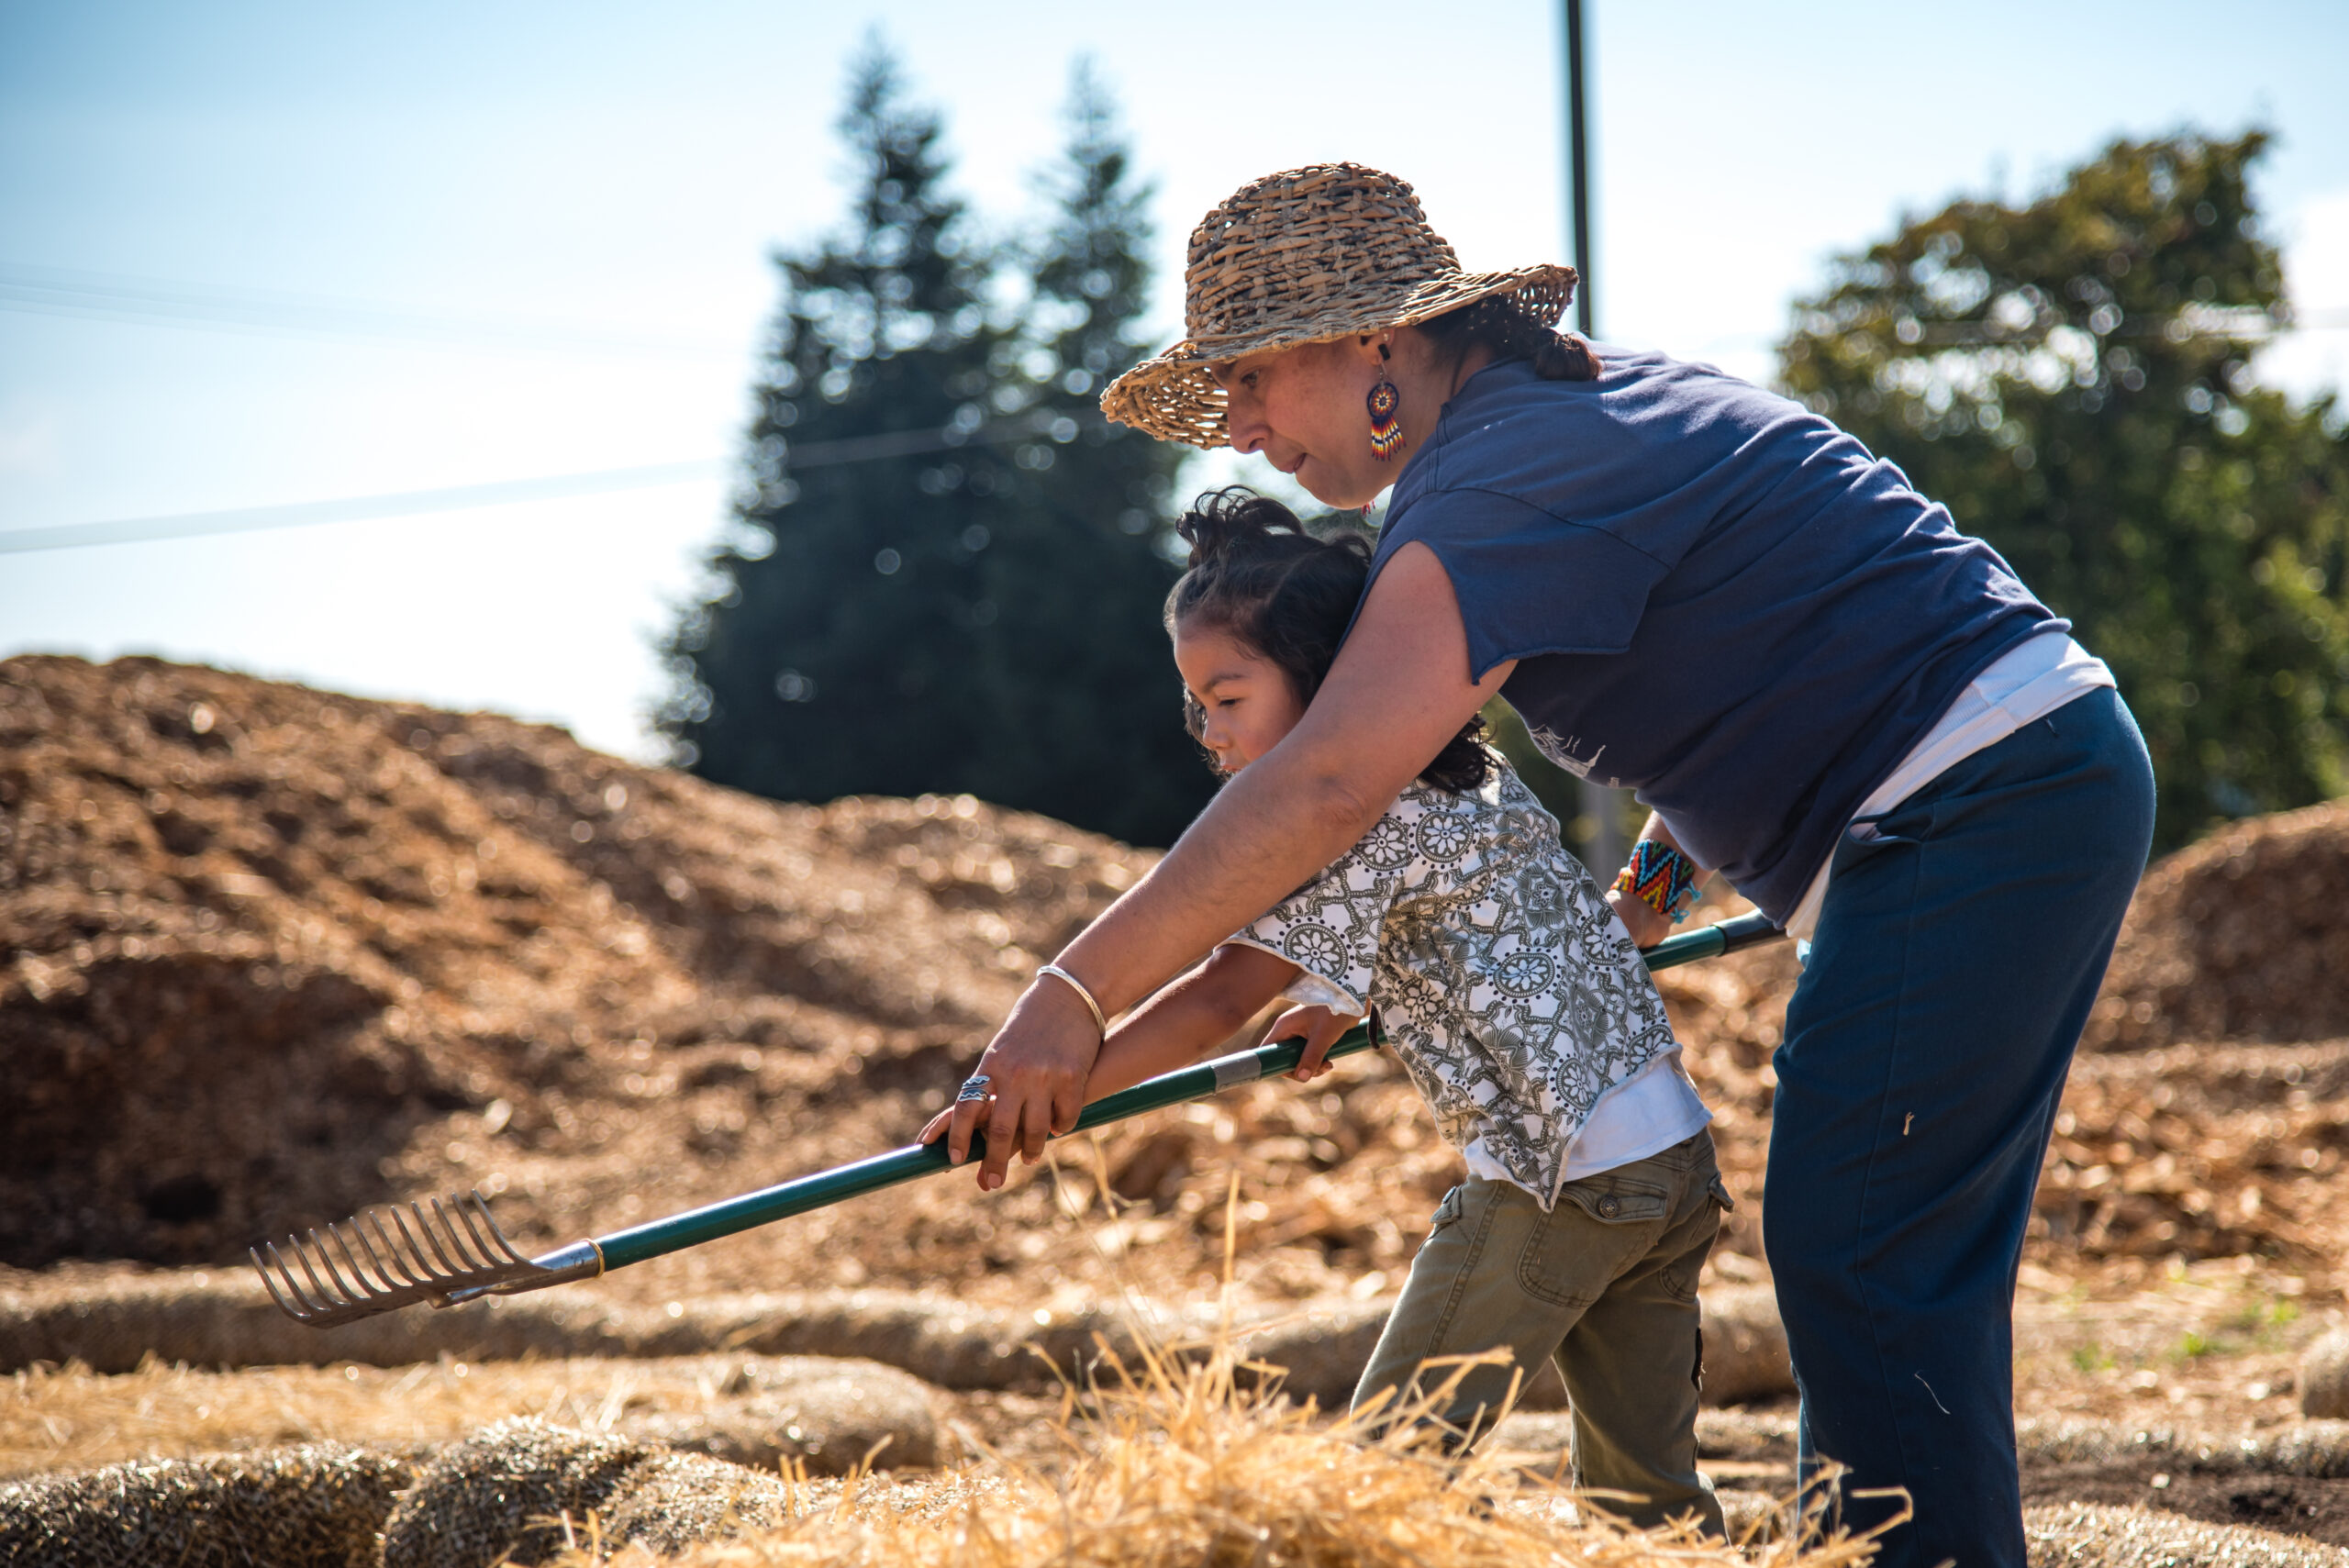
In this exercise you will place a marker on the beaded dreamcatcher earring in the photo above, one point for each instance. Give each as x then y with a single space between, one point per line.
1386 422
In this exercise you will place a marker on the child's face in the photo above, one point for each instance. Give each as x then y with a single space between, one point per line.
1247 702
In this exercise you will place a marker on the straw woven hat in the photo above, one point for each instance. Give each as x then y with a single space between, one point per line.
1305 256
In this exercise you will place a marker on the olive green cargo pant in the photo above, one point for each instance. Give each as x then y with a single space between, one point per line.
1605 1284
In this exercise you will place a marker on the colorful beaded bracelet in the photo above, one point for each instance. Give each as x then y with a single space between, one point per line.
1662 878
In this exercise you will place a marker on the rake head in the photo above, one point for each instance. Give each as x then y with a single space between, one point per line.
364 1265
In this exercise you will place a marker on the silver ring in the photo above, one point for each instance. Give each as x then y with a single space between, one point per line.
974 1088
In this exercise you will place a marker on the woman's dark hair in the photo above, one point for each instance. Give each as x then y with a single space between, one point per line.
1258 574
1496 322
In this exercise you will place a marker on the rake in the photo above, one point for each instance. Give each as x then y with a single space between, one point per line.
453 1251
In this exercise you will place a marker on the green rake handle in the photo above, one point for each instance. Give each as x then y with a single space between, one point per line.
764 1206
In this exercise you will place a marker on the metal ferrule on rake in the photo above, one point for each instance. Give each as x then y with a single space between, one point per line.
360 1267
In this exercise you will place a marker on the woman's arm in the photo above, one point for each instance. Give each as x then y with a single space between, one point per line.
1398 691
1647 926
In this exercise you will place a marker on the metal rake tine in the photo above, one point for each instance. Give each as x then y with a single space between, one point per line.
465 1238
386 1281
290 1300
367 1288
479 1205
414 1248
326 1298
326 1260
433 1237
399 1259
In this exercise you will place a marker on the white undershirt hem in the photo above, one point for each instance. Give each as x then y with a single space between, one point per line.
2027 682
1645 1114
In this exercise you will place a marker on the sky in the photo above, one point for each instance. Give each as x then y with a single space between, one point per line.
257 257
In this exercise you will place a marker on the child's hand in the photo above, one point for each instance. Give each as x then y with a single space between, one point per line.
1647 926
1318 1027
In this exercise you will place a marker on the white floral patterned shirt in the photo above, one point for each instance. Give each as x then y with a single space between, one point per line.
1510 991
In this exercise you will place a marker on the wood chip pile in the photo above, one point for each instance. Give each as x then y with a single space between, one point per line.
2242 937
274 955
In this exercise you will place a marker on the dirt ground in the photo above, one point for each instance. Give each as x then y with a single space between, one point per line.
269 955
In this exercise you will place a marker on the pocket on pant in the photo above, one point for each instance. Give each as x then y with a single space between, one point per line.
1599 1227
1613 1202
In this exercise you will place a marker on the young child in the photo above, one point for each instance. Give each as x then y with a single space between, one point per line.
1516 1001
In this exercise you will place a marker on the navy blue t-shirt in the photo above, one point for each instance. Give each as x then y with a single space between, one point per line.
1715 597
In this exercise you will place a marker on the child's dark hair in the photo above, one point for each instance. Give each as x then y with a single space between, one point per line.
1256 573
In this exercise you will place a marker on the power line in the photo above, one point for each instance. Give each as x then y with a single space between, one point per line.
1043 425
354 509
155 302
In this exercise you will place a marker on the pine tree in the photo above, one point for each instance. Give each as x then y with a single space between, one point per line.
950 569
843 655
2073 379
1088 692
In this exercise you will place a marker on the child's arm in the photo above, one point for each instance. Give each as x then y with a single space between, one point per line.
1196 1014
1192 1016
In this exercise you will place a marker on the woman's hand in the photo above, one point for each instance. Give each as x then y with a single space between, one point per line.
1036 1067
1318 1027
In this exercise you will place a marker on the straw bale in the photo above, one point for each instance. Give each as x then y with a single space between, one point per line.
1746 1345
828 1416
515 1489
523 1490
224 1319
2316 1450
674 1500
319 1506
2090 1535
2324 1377
824 1415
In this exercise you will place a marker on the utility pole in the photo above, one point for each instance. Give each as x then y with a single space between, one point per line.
1601 807
1578 168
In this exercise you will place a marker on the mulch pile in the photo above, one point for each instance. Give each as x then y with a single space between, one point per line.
2242 937
272 955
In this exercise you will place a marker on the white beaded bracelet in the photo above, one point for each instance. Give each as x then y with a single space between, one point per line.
1100 1020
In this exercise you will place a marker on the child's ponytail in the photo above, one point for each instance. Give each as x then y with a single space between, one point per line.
1256 573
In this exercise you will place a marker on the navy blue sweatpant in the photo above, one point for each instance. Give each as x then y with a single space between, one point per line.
1955 959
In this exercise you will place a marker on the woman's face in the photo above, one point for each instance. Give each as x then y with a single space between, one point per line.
1245 701
1304 408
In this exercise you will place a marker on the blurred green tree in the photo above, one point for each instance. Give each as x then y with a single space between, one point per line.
838 651
2073 379
947 571
1087 699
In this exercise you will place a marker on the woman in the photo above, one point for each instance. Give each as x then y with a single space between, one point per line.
1692 587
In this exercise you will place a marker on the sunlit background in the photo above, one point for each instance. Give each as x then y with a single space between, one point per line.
409 260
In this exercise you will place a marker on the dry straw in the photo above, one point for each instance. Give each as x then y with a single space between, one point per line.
1305 256
1181 1464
